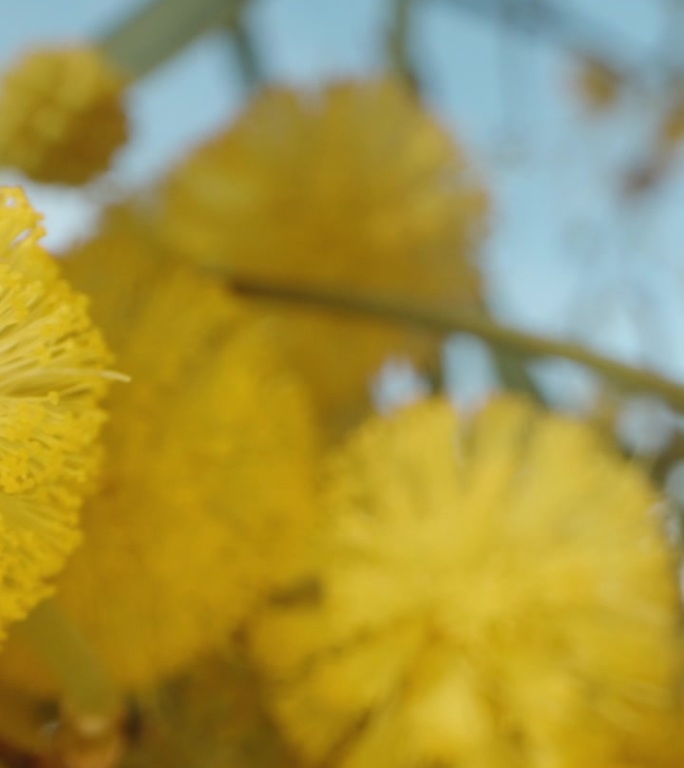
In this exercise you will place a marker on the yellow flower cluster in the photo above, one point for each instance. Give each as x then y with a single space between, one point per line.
51 381
355 189
207 487
61 115
485 590
495 592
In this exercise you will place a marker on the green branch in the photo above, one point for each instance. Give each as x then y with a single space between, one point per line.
247 57
162 28
447 321
399 42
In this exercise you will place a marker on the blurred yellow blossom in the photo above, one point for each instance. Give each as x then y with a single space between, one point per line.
495 591
671 128
51 361
355 189
207 488
598 84
61 115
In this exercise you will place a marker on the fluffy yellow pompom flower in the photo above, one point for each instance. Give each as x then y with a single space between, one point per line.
51 361
494 592
207 487
355 189
61 115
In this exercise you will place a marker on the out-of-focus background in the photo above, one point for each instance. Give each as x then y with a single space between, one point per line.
587 238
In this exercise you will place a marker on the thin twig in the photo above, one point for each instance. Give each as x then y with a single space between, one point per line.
448 321
250 67
399 42
159 30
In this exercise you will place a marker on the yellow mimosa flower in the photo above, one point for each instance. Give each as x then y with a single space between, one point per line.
207 486
494 591
355 189
62 115
51 382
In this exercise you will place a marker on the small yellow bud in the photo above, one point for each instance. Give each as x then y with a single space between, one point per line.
598 84
61 115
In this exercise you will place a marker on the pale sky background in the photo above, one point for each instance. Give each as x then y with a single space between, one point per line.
564 257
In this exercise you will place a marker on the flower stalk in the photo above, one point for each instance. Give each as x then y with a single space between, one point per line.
399 43
246 55
162 28
447 321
